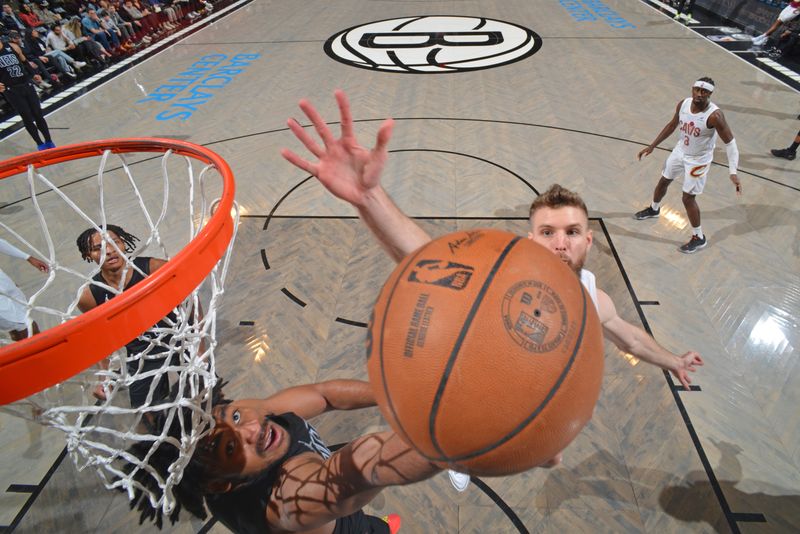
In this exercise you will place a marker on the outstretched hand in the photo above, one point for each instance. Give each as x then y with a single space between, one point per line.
646 151
343 166
687 363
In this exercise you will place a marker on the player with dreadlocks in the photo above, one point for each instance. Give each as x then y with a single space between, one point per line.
264 469
118 273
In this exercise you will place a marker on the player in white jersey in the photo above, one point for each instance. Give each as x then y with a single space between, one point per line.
699 122
559 221
12 311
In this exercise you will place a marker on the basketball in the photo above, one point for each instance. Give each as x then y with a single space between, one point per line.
485 352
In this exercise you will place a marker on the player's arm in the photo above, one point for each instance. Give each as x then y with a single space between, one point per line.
665 132
352 173
397 233
313 491
311 400
10 250
633 340
718 122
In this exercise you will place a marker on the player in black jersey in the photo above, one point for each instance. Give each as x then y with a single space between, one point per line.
264 469
90 245
16 86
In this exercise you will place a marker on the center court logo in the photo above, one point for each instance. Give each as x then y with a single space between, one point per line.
433 45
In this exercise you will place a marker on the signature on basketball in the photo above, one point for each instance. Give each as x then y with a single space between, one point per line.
470 238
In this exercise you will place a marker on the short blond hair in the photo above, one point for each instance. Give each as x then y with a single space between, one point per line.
558 197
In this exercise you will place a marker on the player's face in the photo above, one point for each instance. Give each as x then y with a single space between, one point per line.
245 441
113 259
700 97
565 232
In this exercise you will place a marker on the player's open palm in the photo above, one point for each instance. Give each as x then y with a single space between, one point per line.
345 168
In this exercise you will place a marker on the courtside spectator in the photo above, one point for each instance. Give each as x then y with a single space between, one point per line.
10 20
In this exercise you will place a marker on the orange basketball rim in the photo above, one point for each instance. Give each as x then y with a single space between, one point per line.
58 353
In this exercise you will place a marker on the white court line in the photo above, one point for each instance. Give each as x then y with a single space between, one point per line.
780 68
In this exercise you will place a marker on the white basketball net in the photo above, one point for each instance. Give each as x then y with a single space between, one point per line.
180 349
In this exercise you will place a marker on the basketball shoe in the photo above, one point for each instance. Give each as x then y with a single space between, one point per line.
784 153
460 481
694 244
394 522
647 213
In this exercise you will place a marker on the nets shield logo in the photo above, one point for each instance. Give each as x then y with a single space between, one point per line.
433 45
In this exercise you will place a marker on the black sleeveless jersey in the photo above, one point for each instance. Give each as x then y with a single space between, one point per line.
12 72
102 295
244 510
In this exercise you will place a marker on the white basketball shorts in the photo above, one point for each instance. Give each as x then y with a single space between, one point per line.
693 169
789 13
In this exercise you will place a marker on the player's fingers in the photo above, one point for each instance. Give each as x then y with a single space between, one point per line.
384 135
344 113
299 162
316 119
685 381
304 138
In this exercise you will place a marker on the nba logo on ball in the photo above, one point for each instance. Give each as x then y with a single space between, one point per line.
432 45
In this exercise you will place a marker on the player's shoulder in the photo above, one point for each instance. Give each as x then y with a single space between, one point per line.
154 263
86 301
605 306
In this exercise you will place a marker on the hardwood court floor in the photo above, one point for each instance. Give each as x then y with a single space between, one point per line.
470 150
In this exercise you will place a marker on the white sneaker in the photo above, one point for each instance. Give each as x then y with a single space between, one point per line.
460 481
80 64
760 40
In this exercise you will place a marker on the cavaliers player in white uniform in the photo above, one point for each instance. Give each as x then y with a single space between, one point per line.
699 121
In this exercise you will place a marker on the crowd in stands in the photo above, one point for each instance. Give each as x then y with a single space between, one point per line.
60 41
